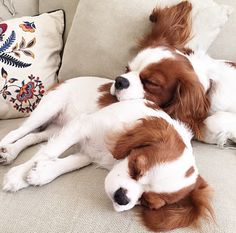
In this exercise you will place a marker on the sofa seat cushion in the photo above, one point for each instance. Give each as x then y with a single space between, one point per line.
77 202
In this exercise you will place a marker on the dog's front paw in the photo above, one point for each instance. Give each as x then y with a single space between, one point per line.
41 173
7 154
14 180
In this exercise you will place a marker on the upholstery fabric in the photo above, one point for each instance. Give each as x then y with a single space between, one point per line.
22 7
77 202
224 47
103 37
69 6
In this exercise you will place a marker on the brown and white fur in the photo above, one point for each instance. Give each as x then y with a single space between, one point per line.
189 86
149 154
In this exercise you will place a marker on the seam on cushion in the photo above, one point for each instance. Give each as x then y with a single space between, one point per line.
9 5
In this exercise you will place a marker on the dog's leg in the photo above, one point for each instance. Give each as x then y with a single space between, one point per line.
71 134
49 107
45 171
219 128
10 152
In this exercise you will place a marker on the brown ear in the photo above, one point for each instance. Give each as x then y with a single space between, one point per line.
190 103
137 137
151 137
186 212
171 26
152 200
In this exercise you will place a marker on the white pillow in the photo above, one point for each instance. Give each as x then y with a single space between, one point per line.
207 19
30 50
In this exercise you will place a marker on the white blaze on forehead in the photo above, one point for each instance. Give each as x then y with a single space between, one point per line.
149 56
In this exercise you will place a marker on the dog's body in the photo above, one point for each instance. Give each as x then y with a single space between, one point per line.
149 154
218 77
195 88
199 90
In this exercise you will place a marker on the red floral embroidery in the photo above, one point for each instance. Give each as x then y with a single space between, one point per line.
28 26
28 94
3 28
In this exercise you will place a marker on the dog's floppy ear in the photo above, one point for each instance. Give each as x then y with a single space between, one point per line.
151 137
190 103
132 139
171 26
159 215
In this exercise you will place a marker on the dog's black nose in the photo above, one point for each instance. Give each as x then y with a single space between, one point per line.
121 83
120 197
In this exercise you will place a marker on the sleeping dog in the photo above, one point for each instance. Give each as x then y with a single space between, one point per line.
149 155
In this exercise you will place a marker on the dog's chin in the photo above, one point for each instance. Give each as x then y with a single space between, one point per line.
121 208
124 95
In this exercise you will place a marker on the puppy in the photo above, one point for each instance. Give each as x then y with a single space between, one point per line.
149 156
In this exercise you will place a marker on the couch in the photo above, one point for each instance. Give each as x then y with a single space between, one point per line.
77 202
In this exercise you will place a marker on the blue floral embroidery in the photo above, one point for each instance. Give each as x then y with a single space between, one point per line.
4 55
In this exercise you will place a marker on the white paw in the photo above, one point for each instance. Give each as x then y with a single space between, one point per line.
7 154
41 173
14 180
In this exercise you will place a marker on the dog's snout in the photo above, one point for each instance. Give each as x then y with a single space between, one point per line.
120 197
121 83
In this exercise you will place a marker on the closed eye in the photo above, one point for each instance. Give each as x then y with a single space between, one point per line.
151 86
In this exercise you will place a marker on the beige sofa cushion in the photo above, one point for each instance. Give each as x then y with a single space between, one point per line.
224 47
22 8
69 6
103 36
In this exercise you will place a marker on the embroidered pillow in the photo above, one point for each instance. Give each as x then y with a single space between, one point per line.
30 50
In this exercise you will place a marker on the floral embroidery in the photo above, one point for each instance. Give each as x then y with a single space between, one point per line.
3 28
27 94
24 48
8 59
28 26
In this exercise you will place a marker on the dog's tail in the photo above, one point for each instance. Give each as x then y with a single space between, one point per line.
171 27
184 213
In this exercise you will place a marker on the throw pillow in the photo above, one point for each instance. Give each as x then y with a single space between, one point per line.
30 50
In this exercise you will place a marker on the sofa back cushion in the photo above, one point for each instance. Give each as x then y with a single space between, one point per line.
224 47
69 7
21 8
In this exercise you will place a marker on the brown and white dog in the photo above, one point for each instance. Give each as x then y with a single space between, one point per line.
190 86
149 155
